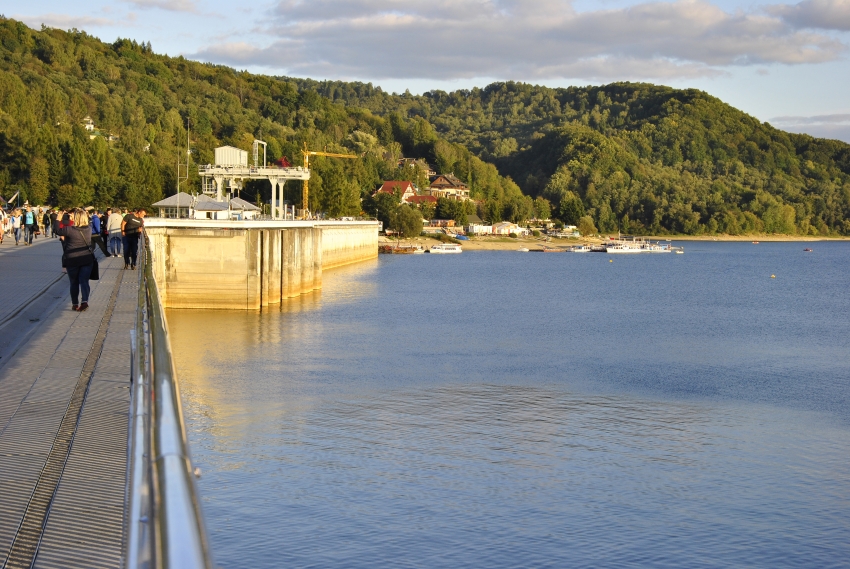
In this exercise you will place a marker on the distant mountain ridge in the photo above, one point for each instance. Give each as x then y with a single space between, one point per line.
631 156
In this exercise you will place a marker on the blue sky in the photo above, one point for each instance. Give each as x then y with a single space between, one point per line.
783 62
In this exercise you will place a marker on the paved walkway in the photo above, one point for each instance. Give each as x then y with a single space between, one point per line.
64 398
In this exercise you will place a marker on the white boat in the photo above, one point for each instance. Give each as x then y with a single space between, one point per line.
656 248
444 248
623 247
523 249
581 249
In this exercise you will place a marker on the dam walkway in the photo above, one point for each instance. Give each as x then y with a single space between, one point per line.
64 404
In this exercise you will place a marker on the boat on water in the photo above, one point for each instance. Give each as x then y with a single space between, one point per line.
807 250
401 249
620 247
580 249
656 248
597 248
445 248
523 249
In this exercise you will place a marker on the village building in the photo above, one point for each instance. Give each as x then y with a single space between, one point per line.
420 200
242 210
402 188
448 186
476 226
178 206
412 162
506 228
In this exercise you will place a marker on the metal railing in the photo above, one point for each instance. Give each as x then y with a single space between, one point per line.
164 526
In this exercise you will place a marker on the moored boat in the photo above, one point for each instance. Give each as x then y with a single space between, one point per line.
445 248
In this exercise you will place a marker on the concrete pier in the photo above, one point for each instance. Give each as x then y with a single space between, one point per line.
246 265
64 393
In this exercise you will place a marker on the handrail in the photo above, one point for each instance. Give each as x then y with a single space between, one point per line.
164 527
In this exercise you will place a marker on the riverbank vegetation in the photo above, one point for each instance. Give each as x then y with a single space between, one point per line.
632 157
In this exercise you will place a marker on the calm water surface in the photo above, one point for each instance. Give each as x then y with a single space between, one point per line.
498 409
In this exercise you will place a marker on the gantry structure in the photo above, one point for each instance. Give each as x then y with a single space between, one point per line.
216 177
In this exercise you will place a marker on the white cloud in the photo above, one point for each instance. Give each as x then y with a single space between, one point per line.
169 5
834 119
64 21
522 39
822 14
835 126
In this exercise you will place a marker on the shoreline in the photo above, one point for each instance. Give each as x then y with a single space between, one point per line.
511 244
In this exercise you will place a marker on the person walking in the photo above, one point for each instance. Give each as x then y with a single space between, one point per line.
47 223
30 223
78 256
54 216
16 225
113 229
4 220
96 237
131 227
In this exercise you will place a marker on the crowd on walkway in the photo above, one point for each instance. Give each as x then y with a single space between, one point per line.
81 233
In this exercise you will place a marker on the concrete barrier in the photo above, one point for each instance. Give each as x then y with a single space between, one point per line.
246 265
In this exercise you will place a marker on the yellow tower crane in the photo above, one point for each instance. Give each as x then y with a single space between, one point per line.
305 193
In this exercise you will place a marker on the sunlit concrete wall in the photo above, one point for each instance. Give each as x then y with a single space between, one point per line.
342 245
245 267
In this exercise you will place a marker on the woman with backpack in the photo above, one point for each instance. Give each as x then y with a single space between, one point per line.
78 257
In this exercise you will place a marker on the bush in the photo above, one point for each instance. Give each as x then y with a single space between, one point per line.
535 233
443 238
512 235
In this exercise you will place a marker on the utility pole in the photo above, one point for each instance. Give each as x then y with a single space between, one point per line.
188 154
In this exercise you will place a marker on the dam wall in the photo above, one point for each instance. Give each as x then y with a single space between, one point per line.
246 265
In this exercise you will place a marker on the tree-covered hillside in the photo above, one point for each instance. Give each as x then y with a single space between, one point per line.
637 157
51 80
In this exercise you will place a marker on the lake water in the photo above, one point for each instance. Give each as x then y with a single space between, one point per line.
499 409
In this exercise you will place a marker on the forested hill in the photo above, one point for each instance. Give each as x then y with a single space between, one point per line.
640 157
138 101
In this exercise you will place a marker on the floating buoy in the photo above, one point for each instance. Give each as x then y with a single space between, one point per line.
610 260
773 276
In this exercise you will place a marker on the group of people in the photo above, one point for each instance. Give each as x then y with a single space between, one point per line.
80 233
24 224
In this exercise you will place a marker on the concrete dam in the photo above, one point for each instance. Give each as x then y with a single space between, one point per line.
248 265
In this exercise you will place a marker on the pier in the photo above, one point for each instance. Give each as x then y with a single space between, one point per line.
94 464
64 396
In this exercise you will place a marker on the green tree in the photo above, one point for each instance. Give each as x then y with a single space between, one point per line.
407 221
570 209
69 196
542 208
586 226
39 181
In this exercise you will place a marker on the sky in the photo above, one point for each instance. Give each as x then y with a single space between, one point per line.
782 62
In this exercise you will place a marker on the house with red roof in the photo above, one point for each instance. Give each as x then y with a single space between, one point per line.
401 188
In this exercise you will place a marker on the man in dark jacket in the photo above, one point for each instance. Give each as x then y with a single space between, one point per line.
96 237
131 228
47 223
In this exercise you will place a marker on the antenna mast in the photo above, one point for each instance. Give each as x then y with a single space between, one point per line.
184 177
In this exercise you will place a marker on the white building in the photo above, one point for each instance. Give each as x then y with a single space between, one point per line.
506 228
208 208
